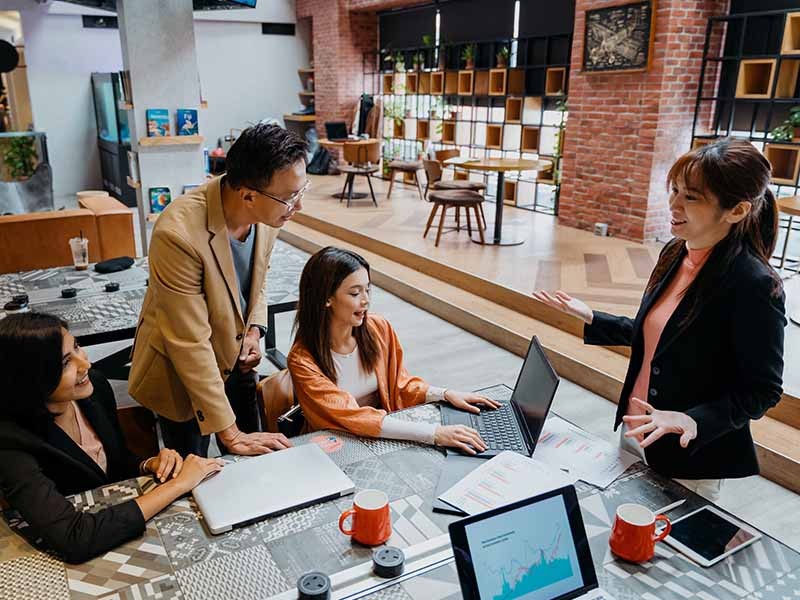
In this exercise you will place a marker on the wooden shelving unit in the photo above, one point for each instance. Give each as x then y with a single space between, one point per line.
785 161
755 78
530 139
555 81
494 136
307 71
133 184
437 83
388 83
497 82
412 83
510 192
400 129
547 175
423 129
448 132
466 83
481 83
516 82
791 34
300 118
513 110
171 140
787 78
424 85
451 83
700 142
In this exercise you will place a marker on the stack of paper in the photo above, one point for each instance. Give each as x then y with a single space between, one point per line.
506 478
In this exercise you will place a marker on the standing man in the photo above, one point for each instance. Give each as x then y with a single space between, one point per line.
197 342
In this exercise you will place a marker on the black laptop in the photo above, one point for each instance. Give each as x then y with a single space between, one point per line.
534 549
336 131
516 425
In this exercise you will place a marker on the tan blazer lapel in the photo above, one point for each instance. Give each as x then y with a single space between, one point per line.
220 244
260 247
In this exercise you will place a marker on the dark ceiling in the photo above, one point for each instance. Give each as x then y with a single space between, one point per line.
198 4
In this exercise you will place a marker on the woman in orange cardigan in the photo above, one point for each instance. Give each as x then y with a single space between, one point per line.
347 365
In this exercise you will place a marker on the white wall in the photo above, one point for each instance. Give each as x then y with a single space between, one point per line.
245 76
61 56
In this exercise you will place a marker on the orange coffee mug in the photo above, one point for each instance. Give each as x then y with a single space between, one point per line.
633 536
371 521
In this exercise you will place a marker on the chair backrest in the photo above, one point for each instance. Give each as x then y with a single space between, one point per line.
433 170
443 155
360 153
276 393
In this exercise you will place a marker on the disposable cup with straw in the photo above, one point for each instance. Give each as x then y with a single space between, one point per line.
80 252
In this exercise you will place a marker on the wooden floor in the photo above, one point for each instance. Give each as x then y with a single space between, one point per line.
609 273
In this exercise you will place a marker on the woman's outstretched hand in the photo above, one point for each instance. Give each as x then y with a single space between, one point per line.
657 423
566 303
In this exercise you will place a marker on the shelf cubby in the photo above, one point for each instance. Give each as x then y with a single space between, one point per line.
424 84
423 129
388 83
494 136
755 78
448 132
460 175
466 83
437 83
451 83
787 78
511 137
555 81
516 82
399 129
412 82
700 142
497 82
513 110
530 139
791 34
510 192
785 161
481 83
546 176
531 110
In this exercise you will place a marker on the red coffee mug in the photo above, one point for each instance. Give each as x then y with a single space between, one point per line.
371 520
633 537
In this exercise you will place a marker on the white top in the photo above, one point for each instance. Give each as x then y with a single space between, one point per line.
364 388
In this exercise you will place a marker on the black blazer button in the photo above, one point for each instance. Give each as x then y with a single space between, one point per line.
239 336
200 416
227 371
653 392
656 371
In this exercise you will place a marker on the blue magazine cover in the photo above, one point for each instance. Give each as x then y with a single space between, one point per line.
187 121
157 122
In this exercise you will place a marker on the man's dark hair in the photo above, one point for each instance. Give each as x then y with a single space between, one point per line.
259 152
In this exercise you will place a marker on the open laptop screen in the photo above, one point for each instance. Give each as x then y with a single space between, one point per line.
535 549
536 386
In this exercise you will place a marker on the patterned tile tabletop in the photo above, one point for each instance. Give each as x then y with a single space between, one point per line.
178 558
95 311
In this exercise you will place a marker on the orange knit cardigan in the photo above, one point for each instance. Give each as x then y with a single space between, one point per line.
326 406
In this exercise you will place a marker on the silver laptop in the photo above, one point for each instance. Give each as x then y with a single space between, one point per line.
268 485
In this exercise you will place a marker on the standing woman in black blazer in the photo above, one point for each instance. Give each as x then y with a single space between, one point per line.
707 342
59 435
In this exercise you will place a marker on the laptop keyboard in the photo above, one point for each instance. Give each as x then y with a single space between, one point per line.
499 429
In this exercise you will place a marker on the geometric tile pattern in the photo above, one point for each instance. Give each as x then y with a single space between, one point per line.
297 521
341 447
419 468
373 474
33 577
93 501
11 544
161 588
250 574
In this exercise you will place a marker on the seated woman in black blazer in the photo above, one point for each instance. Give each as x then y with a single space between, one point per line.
707 342
59 435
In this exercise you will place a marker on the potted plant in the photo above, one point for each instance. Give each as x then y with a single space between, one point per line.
502 56
468 56
782 133
794 121
397 59
418 60
20 157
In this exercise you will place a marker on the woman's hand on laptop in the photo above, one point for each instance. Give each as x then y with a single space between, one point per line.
195 470
459 436
469 401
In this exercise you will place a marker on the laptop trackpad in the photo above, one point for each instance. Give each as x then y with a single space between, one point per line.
453 416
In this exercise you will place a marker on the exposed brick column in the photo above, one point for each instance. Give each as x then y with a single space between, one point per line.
625 130
340 39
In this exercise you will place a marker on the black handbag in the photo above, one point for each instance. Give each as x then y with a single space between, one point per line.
292 422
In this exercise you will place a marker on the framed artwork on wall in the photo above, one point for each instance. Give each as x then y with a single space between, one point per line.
619 38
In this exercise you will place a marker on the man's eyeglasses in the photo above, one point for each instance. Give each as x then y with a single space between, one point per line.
290 202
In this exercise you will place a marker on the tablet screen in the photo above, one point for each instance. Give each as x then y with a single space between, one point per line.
709 534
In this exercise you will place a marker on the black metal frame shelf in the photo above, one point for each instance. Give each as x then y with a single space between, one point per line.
468 117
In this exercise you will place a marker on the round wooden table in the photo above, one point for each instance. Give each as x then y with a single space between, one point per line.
338 145
500 166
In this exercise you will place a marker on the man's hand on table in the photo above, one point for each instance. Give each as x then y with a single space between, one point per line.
250 354
251 444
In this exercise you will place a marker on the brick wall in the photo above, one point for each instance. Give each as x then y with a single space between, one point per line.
625 130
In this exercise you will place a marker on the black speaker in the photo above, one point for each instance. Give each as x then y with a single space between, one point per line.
9 57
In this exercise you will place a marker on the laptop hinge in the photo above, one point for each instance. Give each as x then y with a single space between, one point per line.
523 426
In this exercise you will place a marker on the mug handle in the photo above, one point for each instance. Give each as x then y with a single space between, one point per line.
342 519
664 532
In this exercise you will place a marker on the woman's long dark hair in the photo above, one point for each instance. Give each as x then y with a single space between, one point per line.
733 171
31 364
322 276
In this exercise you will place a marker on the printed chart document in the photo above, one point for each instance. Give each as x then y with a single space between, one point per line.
504 479
460 160
587 457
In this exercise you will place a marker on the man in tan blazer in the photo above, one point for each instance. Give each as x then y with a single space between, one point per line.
197 342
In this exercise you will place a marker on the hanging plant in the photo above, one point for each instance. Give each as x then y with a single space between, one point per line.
21 156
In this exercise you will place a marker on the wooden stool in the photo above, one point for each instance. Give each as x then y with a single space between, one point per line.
454 198
433 171
791 207
405 166
352 171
